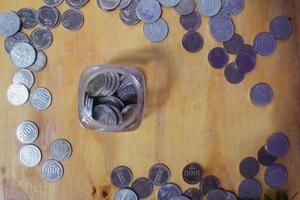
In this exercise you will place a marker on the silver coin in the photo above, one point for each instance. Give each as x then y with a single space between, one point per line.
40 98
41 38
27 132
53 3
118 114
185 7
77 4
9 23
128 15
108 5
23 55
124 4
48 16
52 171
156 31
125 194
40 62
24 77
112 100
72 19
61 149
30 155
88 105
10 41
169 3
28 17
97 85
209 7
105 115
17 94
148 10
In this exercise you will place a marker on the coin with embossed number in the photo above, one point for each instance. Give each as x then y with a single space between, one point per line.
221 28
156 31
40 62
17 94
168 191
23 76
128 15
30 155
192 41
159 174
264 44
28 17
27 132
40 98
142 187
9 23
148 10
72 19
48 16
41 38
52 171
60 149
192 173
208 183
125 194
121 176
22 55
10 41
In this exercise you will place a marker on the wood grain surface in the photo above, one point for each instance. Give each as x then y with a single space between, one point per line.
191 112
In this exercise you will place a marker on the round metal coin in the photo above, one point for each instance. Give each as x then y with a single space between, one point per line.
10 41
108 5
208 183
232 74
192 41
156 31
30 155
159 174
17 94
249 167
277 144
148 10
23 55
168 191
40 98
233 7
209 8
245 62
121 176
53 3
9 23
190 22
261 94
216 194
48 16
128 14
77 4
232 45
250 189
193 194
72 19
143 187
41 38
281 28
52 171
192 173
264 44
264 157
125 194
28 17
169 3
40 62
61 149
222 29
218 57
24 77
275 175
27 132
185 7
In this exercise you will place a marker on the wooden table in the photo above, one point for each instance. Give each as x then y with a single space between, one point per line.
191 112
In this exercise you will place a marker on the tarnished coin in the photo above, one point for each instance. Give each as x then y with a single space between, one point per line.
128 14
41 38
261 94
247 48
53 3
108 5
97 85
245 62
77 4
52 171
168 191
190 22
264 157
264 44
249 189
148 10
216 194
40 98
28 17
40 62
232 45
185 7
159 174
209 7
249 167
182 197
105 114
192 41
208 183
192 173
169 3
9 23
275 175
231 196
72 19
10 41
124 4
61 149
125 194
193 194
281 28
156 31
222 29
218 57
277 144
233 7
27 132
128 111
121 176
22 55
232 74
48 16
30 155
142 187
24 77
17 94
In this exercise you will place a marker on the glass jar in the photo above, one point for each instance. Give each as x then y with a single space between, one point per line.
111 98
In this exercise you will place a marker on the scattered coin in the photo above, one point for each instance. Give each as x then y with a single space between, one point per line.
72 19
168 191
232 45
159 174
231 196
192 173
216 194
61 149
209 8
41 38
27 132
121 176
108 5
220 16
277 144
264 44
40 62
233 7
218 57
30 156
53 3
190 22
169 3
128 14
48 16
185 7
10 41
77 4
156 31
193 194
24 77
111 100
52 171
281 28
232 74
9 23
247 48
125 194
148 10
208 183
192 41
249 188
40 98
275 175
245 62
264 157
261 94
249 167
222 29
142 187
124 4
28 17
17 94
22 55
